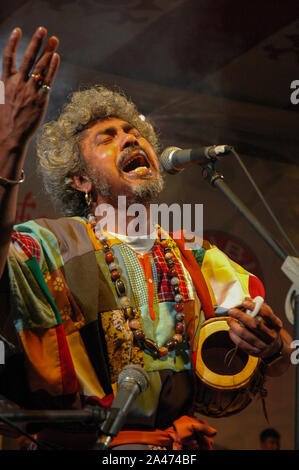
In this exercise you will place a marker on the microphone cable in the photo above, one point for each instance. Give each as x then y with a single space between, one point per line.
266 205
14 426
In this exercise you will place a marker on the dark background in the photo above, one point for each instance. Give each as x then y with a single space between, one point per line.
204 72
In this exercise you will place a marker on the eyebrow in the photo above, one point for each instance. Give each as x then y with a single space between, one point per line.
112 131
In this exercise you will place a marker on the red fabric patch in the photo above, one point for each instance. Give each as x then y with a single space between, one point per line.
255 287
27 244
194 270
93 401
194 358
68 374
164 288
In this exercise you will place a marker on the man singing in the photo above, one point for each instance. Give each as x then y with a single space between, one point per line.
80 301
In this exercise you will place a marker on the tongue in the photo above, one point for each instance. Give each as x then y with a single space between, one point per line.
140 170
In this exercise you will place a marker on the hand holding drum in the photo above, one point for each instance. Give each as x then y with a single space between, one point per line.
233 350
254 327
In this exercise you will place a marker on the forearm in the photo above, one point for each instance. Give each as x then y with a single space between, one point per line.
281 364
21 114
12 156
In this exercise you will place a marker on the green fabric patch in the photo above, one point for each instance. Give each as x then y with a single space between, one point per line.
51 258
35 269
148 401
199 255
30 300
136 275
161 330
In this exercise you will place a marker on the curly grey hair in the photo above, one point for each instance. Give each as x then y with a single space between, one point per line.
57 144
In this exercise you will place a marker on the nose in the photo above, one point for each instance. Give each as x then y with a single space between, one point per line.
127 140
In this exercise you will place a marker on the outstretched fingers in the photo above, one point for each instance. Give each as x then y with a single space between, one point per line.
9 54
46 63
50 74
26 91
32 50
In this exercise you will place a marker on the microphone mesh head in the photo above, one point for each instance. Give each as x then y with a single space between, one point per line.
136 373
166 159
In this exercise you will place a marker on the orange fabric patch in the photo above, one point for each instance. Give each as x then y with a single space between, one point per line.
94 239
70 313
184 429
43 360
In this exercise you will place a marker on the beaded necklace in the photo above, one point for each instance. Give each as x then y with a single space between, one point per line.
129 312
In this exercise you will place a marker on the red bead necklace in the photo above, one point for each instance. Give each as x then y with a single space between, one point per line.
135 324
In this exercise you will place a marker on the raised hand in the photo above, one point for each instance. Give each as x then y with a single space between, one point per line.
26 89
26 99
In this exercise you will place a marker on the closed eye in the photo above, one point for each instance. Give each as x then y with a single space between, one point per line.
104 139
107 140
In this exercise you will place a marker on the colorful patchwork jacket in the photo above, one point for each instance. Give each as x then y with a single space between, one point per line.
68 336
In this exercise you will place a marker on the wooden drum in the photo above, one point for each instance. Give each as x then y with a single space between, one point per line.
228 378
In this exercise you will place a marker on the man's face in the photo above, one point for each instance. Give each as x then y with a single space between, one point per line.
119 161
271 443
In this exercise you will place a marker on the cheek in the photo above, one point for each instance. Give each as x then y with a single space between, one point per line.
149 149
103 158
108 154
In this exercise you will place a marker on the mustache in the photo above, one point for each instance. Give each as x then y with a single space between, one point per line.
127 152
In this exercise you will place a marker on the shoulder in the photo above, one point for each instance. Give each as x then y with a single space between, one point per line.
42 237
193 244
45 228
65 236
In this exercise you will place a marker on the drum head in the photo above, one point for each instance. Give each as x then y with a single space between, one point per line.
220 363
221 356
227 377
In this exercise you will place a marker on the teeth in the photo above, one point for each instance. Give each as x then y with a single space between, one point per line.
141 170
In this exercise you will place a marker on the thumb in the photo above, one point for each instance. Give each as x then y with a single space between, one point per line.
204 428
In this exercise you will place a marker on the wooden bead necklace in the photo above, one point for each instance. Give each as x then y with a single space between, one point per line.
129 312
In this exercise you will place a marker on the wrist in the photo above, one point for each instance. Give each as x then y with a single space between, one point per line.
7 182
275 354
12 158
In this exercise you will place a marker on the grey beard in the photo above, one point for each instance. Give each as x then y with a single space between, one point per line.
146 193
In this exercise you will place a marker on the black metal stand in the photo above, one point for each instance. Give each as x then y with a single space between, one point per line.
13 416
296 335
88 415
216 179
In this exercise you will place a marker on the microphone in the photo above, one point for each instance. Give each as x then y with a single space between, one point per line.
132 380
174 159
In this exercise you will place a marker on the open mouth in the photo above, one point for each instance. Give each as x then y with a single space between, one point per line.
136 163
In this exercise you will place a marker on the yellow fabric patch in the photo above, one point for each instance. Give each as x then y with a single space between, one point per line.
88 381
227 281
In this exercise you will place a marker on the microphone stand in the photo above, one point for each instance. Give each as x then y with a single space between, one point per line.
10 414
88 415
290 265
